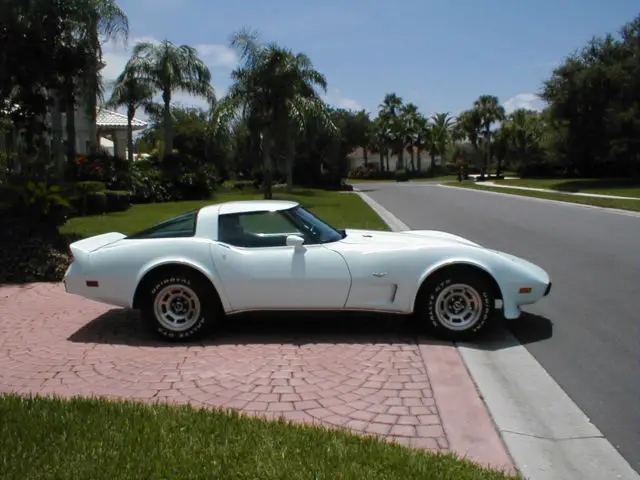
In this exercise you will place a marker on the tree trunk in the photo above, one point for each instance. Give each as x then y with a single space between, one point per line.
289 153
168 122
70 101
386 154
413 154
267 164
130 114
400 161
419 160
365 154
56 135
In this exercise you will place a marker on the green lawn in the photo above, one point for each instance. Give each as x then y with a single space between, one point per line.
46 438
608 186
339 209
633 205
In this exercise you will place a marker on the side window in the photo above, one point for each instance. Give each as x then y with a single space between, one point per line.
182 226
256 230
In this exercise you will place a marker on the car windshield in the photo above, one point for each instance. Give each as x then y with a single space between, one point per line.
323 232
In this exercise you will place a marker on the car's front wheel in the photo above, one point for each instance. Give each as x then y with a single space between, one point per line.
457 305
178 306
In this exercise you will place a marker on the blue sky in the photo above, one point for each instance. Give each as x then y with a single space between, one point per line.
439 54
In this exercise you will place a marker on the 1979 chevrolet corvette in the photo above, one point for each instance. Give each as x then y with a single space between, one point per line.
187 272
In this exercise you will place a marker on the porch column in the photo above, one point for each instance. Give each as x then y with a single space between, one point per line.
120 144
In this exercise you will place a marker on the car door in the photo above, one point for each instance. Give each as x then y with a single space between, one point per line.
259 271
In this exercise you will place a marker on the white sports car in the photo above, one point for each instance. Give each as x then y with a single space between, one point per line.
187 272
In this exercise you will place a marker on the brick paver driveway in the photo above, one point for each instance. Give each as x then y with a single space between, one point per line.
366 375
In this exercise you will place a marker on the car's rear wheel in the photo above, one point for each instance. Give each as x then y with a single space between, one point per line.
457 304
178 306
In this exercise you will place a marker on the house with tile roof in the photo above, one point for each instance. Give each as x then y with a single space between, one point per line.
112 127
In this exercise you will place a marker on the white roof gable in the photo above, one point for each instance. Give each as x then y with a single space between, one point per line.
108 118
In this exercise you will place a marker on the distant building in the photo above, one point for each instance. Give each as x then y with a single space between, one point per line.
356 159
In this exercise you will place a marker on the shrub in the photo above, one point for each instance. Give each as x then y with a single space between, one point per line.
38 201
402 175
147 185
101 167
187 178
371 172
29 252
117 200
96 203
31 249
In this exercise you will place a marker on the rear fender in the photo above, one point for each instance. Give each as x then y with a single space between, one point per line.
209 273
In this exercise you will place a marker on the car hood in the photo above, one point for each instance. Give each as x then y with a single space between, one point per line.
407 238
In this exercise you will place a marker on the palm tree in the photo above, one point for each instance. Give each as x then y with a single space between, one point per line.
490 111
441 133
276 89
129 91
86 21
410 120
423 139
391 123
104 18
168 68
468 128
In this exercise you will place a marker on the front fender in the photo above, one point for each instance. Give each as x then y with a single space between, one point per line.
462 261
208 272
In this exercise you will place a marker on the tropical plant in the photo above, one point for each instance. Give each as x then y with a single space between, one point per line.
489 111
131 92
276 90
168 68
441 134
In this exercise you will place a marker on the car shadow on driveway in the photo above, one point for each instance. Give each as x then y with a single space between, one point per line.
125 327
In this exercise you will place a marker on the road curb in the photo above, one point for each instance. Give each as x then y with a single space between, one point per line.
545 432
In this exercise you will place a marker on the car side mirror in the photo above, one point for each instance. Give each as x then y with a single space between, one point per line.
295 241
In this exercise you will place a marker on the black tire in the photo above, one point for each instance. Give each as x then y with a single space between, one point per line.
188 290
433 305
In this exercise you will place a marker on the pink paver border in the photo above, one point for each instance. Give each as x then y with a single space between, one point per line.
468 426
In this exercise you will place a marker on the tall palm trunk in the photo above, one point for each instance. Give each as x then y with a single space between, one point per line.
419 159
56 135
289 154
267 147
168 122
70 104
94 87
130 114
365 154
412 156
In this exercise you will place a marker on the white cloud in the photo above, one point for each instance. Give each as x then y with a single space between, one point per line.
335 98
529 101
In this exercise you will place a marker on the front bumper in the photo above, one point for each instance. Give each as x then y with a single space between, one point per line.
547 290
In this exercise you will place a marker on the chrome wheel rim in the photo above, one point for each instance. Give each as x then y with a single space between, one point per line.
177 307
458 307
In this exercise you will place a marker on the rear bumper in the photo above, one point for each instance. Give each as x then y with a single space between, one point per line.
547 290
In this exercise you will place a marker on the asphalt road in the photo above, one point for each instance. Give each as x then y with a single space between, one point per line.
586 334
